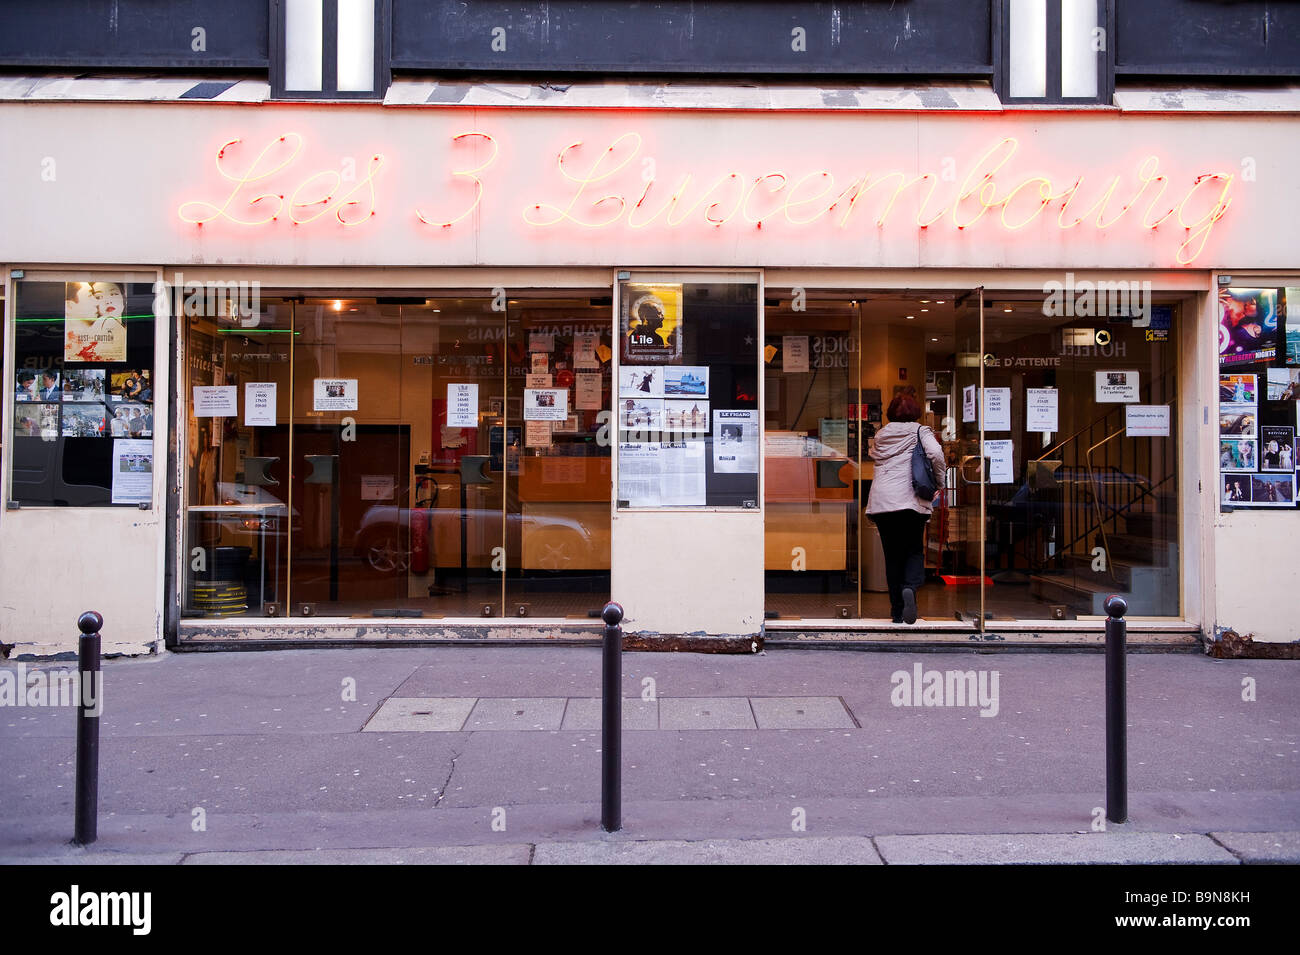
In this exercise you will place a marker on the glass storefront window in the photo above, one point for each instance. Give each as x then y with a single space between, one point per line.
1059 434
686 410
83 393
387 469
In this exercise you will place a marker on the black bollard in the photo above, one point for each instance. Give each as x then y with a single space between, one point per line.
611 724
89 706
1116 711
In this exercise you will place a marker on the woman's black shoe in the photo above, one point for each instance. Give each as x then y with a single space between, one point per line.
909 605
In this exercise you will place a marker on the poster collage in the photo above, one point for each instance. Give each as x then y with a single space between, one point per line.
83 397
1259 397
665 413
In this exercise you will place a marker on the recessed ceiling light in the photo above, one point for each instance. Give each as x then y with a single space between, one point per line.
925 310
910 317
934 339
925 301
938 301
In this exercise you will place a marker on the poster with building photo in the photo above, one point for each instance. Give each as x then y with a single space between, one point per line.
1248 326
641 414
651 323
686 381
1238 454
640 381
132 471
94 326
682 415
1276 448
735 441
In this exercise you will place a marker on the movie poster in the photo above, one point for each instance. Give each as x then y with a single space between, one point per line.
1247 325
94 328
652 323
1276 448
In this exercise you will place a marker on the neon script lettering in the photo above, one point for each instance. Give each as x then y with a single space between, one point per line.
597 192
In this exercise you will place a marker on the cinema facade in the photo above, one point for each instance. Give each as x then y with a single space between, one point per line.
426 372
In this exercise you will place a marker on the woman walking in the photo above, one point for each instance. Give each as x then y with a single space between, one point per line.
894 507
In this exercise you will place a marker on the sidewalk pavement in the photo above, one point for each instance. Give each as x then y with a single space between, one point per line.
492 755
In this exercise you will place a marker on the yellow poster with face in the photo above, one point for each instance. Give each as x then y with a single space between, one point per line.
94 328
652 322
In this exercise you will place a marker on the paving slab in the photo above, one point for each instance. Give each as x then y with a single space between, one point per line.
1255 848
706 713
800 713
811 850
507 854
584 713
1093 848
421 715
536 713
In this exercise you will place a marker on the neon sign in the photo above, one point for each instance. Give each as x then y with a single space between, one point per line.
262 187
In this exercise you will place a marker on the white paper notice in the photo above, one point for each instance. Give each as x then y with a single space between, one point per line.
794 353
584 352
538 381
587 397
541 341
334 394
215 401
1117 386
1042 409
541 363
1000 455
537 434
259 403
462 404
834 433
1146 421
132 471
638 474
997 409
968 404
682 474
378 487
546 404
735 442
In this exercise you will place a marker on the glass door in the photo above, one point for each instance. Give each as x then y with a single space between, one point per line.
560 360
814 412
